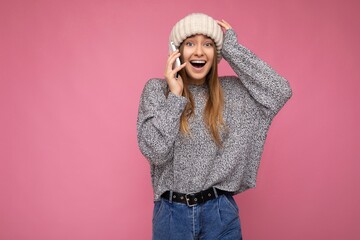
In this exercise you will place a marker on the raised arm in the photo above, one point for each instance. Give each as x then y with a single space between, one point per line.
266 86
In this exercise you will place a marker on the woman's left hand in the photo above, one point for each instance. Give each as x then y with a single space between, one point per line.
224 25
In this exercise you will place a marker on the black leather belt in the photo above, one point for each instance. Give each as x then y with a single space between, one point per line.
192 199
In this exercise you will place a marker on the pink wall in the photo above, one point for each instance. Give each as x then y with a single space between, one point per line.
71 73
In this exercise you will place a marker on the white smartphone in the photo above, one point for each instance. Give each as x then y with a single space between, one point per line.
177 60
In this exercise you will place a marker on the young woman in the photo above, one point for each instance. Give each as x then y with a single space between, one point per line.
203 134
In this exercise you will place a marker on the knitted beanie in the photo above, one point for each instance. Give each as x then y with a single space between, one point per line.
197 23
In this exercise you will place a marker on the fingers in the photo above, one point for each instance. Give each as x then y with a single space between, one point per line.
175 84
177 69
171 60
169 71
225 25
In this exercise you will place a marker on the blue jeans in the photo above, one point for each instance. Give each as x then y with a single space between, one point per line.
214 219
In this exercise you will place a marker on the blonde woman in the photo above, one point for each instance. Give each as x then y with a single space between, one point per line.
204 134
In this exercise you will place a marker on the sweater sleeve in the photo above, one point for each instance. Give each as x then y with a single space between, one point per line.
158 122
267 87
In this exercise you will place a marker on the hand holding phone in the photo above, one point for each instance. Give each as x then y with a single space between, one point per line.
173 66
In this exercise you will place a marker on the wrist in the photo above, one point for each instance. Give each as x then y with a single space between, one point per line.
177 93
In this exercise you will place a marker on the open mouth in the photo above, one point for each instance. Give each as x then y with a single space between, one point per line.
198 63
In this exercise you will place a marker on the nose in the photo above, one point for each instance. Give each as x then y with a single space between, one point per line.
199 50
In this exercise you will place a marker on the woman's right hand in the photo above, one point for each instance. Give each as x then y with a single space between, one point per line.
175 84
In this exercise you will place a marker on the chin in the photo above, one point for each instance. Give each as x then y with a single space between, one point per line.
197 77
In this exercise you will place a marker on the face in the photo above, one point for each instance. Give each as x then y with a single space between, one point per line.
198 52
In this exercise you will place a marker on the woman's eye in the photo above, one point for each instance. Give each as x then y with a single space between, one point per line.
190 44
208 44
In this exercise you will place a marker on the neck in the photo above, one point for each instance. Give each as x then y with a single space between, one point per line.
196 82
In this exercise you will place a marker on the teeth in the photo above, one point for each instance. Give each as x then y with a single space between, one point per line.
198 61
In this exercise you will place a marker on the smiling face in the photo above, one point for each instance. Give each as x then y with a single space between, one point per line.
198 51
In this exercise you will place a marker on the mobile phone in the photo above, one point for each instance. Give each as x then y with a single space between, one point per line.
177 60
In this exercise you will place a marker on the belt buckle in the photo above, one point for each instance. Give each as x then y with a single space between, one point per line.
187 201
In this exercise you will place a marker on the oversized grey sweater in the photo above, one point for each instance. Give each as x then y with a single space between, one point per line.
191 163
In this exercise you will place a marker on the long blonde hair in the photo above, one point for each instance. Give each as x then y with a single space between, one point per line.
214 106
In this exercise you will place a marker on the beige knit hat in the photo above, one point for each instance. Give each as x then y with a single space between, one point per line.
197 23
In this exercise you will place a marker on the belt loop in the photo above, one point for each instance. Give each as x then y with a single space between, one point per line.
170 196
215 192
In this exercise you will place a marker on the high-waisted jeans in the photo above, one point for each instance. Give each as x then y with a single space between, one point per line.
214 219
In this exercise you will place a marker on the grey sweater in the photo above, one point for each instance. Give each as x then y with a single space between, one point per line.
191 163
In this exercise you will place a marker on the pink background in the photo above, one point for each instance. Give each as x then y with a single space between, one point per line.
71 74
